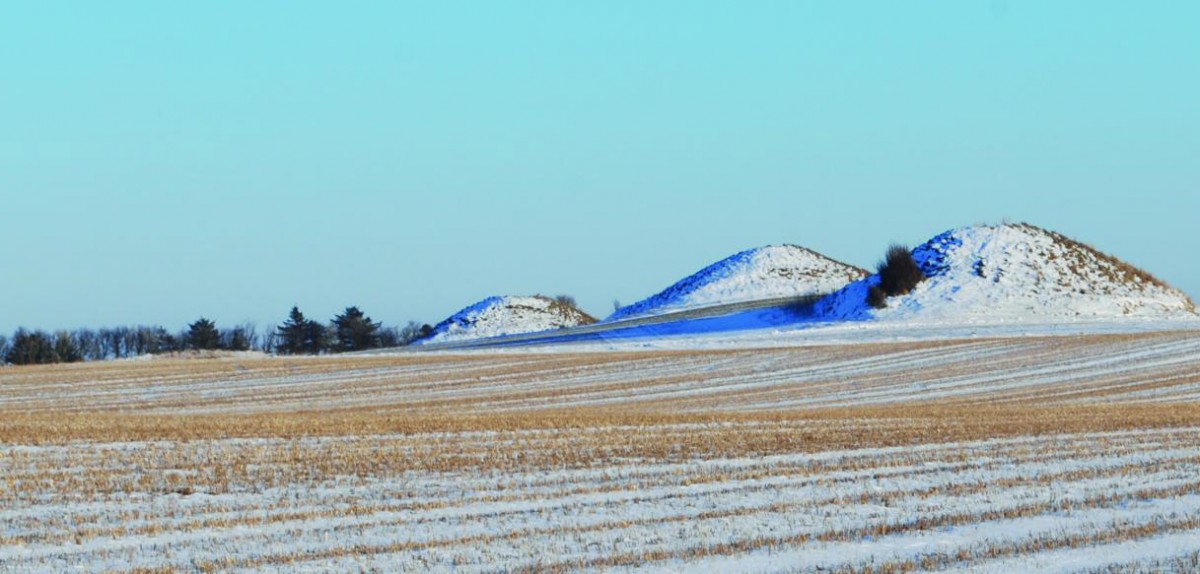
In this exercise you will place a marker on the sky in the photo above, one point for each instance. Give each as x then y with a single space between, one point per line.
163 161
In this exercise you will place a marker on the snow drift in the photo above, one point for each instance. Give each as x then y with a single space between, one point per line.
763 273
508 315
1013 273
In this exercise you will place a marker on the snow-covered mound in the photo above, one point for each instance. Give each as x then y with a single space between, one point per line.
763 273
509 315
1015 273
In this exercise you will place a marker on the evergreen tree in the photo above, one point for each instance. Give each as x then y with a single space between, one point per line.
354 331
316 339
291 333
203 335
298 335
30 348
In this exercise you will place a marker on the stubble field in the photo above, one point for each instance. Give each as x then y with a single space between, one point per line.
1052 453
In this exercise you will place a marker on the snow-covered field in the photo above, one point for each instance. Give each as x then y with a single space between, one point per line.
1067 502
894 367
998 452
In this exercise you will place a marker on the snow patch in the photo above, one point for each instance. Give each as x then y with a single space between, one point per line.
507 315
1015 273
767 272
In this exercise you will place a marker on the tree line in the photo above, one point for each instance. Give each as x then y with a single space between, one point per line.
351 330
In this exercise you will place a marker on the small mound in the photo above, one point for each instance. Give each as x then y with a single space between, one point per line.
1017 272
764 273
509 315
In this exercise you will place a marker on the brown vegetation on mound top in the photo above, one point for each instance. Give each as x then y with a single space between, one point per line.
565 307
1081 255
853 272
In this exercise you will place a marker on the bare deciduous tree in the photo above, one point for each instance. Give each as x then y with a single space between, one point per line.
411 332
269 340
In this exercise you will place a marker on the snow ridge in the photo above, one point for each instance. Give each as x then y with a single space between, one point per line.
507 315
761 273
1015 272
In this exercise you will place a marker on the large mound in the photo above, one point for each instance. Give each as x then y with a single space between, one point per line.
497 316
763 273
1012 273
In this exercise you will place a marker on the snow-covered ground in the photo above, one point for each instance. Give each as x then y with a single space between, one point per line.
843 368
979 370
1064 503
720 459
758 333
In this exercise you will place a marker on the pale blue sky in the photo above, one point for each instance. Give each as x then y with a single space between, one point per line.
160 161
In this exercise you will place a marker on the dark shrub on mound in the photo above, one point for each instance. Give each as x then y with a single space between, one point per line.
876 297
898 275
